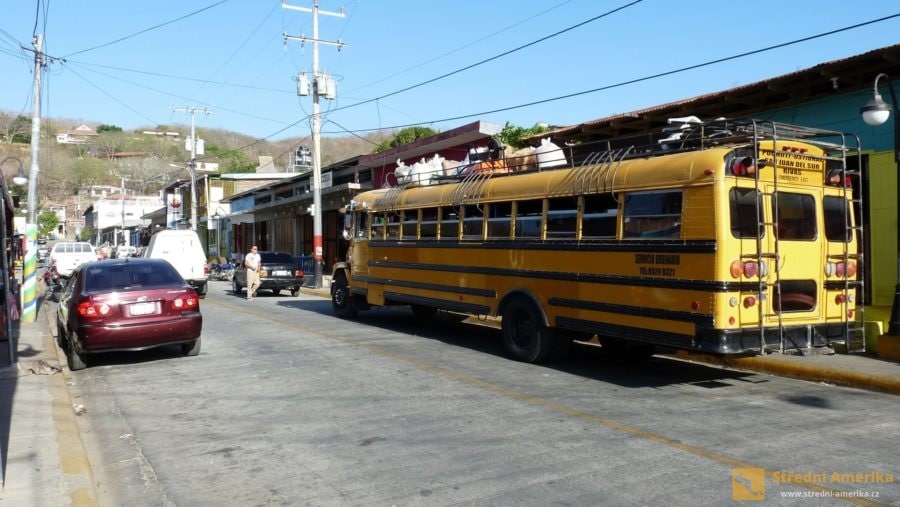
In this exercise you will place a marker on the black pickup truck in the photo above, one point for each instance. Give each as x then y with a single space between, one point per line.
279 271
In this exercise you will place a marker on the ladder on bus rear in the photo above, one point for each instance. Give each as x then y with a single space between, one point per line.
854 327
767 289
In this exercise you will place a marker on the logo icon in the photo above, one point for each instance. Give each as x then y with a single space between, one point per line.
748 484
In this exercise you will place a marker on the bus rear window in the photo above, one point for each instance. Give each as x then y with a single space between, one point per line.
836 219
795 216
653 215
745 204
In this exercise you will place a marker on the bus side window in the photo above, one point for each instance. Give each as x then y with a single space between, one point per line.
600 216
528 218
653 215
362 225
378 226
562 217
473 222
393 225
499 220
428 227
410 225
449 223
744 203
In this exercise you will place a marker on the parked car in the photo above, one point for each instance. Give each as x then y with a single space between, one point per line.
126 251
279 270
67 255
183 249
126 304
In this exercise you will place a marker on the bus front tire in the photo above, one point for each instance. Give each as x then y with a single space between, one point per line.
341 300
525 336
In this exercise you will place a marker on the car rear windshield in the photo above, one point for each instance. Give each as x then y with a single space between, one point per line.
277 258
124 276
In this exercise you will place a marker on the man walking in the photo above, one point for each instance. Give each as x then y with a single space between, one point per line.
252 265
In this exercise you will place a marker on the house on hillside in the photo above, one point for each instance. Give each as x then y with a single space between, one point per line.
80 135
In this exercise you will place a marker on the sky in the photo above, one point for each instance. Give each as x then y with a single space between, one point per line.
435 63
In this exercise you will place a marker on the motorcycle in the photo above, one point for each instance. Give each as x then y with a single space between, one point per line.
52 279
224 271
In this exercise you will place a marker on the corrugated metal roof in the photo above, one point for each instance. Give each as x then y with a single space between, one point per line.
836 77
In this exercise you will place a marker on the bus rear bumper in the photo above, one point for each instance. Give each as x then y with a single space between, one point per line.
803 339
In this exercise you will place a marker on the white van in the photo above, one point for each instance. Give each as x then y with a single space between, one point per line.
182 248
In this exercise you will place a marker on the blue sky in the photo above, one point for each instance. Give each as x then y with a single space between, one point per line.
129 63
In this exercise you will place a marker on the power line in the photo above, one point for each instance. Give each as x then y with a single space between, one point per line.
208 7
495 57
645 78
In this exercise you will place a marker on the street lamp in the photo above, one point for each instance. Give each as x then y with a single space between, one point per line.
874 113
19 179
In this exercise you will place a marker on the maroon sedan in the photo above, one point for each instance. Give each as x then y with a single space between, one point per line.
126 304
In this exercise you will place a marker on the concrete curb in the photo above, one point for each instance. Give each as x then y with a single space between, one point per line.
76 467
793 367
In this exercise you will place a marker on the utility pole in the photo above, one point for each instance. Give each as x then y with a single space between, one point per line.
192 164
322 85
29 287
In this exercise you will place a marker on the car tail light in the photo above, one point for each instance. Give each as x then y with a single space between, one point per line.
206 270
186 302
91 309
298 273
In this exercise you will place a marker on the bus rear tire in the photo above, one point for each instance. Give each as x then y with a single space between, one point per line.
525 336
423 312
342 302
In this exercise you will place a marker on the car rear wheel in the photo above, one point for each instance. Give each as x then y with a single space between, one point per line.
191 348
77 361
60 335
295 291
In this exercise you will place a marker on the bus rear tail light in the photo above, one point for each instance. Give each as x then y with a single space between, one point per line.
749 302
749 269
840 299
842 269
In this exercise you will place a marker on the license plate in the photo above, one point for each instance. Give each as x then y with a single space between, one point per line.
281 273
142 308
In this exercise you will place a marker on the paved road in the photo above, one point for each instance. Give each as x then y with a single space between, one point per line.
287 405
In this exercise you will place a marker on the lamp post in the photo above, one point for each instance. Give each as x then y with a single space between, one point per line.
874 113
18 179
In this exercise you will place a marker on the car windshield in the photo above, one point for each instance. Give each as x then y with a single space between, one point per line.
276 258
124 276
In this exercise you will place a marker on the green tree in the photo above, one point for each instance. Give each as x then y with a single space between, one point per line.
514 136
108 128
230 161
405 136
47 222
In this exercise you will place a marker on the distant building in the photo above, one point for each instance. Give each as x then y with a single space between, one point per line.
80 135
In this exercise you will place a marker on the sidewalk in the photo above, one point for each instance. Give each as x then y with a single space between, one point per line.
45 463
43 458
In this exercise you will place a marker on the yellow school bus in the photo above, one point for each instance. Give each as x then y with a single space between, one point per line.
726 237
